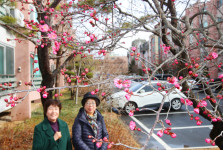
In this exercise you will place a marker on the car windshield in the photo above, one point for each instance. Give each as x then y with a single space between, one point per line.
135 87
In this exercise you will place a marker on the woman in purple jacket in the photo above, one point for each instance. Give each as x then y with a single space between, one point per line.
89 121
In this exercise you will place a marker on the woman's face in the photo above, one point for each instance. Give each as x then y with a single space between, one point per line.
52 113
90 106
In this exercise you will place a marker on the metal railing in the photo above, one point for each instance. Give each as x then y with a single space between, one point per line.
7 79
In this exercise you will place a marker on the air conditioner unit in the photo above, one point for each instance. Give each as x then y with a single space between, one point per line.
18 15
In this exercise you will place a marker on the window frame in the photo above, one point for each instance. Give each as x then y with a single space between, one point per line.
4 58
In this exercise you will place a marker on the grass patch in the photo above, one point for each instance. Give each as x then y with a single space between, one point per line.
20 136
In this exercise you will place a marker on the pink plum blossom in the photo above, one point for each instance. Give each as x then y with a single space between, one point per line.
189 102
52 36
29 26
204 103
126 90
131 113
126 83
92 92
118 83
172 80
43 28
177 85
214 55
132 125
182 100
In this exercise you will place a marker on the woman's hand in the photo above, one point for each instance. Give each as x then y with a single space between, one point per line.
57 136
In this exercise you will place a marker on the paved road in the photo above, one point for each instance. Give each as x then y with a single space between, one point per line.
189 134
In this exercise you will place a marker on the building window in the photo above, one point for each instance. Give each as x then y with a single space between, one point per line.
33 13
219 3
36 65
219 19
6 60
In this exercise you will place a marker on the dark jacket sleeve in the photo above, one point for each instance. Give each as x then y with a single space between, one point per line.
104 134
76 136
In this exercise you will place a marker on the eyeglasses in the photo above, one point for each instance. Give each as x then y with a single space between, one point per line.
90 104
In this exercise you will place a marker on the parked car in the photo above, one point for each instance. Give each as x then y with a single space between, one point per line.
162 76
147 95
192 84
217 85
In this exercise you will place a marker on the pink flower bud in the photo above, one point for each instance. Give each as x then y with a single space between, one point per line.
208 141
158 84
109 146
105 139
173 135
214 120
167 121
196 110
199 122
196 118
133 49
44 95
103 94
98 144
160 133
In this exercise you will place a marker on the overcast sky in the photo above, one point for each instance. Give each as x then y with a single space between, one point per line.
136 7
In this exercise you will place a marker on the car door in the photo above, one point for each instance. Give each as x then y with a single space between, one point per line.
157 96
147 96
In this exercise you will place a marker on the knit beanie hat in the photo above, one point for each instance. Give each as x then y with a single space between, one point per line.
87 96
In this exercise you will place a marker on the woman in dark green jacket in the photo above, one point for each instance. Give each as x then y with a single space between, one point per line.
52 133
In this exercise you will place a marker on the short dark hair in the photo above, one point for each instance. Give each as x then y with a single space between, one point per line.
51 102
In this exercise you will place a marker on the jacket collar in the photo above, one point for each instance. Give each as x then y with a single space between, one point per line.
48 129
82 116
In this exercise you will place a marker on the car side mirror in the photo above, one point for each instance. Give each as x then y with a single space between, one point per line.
142 91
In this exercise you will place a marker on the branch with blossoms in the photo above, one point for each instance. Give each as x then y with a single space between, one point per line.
99 143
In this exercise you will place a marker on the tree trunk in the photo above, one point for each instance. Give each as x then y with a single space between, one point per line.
44 66
72 93
216 131
57 82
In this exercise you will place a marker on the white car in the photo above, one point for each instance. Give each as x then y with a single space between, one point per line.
147 95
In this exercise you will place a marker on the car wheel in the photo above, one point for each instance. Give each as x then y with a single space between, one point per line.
176 104
130 106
